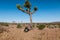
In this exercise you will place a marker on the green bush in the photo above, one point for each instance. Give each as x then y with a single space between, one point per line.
19 26
41 27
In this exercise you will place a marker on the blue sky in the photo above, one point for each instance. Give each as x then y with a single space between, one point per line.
48 11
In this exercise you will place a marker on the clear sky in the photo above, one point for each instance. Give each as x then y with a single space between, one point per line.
48 11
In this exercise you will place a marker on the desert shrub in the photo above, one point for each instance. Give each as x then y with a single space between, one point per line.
4 24
19 26
2 29
33 25
51 26
41 27
55 27
59 26
37 23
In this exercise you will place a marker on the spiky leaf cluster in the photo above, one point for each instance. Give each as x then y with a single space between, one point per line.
27 4
18 6
35 8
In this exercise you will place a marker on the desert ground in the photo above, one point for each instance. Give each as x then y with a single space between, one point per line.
13 33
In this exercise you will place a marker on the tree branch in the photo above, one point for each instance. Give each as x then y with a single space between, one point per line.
24 10
33 12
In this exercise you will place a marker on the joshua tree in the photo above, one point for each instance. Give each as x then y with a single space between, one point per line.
27 5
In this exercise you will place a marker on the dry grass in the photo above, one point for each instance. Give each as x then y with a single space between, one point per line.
35 34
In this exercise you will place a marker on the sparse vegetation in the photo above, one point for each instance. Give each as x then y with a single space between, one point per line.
59 26
41 27
51 26
38 24
10 33
2 29
33 25
4 24
19 26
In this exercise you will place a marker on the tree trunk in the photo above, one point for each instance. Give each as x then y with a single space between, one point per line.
31 19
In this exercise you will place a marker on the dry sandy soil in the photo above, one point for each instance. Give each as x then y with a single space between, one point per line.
35 34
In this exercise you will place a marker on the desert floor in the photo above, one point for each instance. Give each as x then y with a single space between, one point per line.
14 33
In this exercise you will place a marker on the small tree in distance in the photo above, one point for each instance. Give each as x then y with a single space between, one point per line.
27 5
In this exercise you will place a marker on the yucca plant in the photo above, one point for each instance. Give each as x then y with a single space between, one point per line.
27 5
